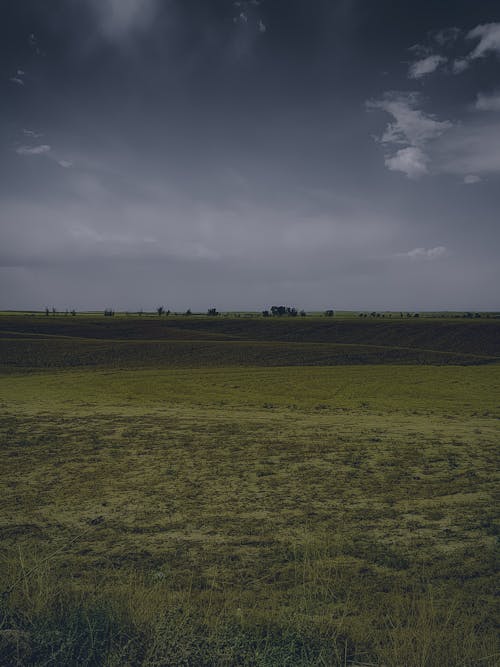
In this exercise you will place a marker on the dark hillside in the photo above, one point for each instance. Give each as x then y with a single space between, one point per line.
61 342
480 337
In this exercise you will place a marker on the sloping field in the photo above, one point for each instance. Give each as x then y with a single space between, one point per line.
480 336
61 342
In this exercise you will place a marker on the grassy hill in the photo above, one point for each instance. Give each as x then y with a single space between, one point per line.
59 342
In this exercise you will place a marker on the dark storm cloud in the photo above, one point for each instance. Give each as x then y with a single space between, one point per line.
337 153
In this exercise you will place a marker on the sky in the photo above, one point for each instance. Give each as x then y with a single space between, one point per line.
336 154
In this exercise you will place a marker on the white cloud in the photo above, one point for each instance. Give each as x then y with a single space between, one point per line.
426 253
488 102
33 150
425 66
411 125
411 128
489 39
412 161
488 35
470 179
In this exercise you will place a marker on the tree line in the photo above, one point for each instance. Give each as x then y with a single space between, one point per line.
273 311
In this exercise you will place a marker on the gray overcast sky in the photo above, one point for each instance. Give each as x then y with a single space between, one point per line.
196 153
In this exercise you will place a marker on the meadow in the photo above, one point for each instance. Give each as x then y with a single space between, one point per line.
224 491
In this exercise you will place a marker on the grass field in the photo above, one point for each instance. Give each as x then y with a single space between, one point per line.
230 492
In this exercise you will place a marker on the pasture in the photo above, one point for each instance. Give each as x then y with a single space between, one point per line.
223 491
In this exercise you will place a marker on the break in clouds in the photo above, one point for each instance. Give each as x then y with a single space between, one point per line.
334 154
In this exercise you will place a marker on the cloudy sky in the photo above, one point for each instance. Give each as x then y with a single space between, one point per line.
196 153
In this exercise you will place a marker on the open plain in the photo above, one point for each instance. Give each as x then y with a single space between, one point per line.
249 491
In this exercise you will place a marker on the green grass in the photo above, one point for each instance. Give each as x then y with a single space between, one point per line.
240 515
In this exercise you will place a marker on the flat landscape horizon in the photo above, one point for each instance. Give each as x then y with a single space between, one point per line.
249 333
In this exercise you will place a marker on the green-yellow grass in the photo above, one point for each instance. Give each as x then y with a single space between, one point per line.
260 516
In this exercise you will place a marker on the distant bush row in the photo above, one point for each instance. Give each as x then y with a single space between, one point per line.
274 311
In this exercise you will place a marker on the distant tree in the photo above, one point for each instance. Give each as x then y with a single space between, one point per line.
280 311
329 313
417 315
265 313
160 311
47 311
73 312
54 311
303 313
109 312
140 312
188 312
212 312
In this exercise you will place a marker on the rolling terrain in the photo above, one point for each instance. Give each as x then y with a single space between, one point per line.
217 491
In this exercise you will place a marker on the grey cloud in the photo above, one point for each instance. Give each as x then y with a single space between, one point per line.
425 66
412 161
18 78
426 253
471 147
42 149
489 40
488 35
241 18
32 134
412 127
471 179
460 65
488 102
